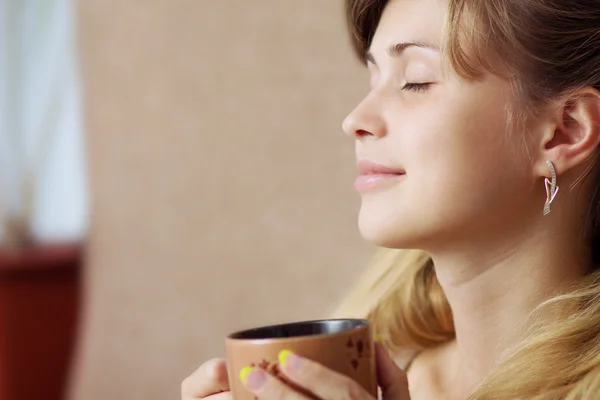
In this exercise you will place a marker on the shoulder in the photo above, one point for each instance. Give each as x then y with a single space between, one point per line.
424 370
404 358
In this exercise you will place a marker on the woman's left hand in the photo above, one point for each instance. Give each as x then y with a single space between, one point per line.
325 383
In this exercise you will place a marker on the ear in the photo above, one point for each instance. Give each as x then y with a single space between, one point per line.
573 134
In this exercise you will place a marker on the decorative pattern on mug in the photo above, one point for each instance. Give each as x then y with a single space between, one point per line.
270 367
356 350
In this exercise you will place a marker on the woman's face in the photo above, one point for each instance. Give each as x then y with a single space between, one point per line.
456 172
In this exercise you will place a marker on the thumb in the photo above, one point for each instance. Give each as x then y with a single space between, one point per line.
392 380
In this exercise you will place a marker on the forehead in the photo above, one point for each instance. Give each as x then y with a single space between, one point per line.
410 20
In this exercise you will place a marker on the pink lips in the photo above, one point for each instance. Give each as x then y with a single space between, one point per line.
373 175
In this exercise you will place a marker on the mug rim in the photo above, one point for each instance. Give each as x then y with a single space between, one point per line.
361 324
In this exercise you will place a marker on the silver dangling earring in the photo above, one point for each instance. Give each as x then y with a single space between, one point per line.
551 188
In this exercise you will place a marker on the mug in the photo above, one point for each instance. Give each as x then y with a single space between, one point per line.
343 345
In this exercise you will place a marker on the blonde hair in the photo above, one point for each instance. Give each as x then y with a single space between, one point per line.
549 48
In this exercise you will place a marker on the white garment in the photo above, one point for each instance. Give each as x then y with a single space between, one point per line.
41 118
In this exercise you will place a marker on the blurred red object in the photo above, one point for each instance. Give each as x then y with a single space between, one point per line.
39 304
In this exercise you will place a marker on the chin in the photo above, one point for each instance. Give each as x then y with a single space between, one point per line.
385 230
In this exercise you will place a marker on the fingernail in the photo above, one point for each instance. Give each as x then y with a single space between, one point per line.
290 361
253 378
379 338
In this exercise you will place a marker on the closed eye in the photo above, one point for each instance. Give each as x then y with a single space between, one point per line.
416 87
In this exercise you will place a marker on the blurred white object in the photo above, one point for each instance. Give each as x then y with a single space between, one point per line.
41 130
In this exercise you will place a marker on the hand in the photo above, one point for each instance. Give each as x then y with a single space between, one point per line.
207 382
324 383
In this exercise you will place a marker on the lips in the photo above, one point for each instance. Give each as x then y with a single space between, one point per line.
373 175
368 167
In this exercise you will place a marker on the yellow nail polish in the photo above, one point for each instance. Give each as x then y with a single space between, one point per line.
379 338
244 373
283 355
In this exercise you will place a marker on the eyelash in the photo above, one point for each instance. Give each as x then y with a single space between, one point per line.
416 87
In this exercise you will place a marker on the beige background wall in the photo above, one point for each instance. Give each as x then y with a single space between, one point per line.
221 180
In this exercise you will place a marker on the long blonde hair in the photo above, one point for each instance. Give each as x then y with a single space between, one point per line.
549 48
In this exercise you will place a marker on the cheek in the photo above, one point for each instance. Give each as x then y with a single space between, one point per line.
464 171
458 159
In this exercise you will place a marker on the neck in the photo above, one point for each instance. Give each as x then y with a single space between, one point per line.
492 292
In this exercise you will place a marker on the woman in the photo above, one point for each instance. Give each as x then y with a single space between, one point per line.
478 112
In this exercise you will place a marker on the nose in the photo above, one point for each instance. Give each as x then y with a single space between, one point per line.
365 120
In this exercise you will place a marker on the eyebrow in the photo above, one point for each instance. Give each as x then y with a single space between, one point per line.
396 50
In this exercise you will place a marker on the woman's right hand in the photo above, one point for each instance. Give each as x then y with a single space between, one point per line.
207 382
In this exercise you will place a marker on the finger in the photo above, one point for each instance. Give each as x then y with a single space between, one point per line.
218 396
210 378
392 380
267 387
319 380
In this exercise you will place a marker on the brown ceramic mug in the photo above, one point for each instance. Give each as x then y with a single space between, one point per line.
343 345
